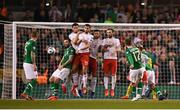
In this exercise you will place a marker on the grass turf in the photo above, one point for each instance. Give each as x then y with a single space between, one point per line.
89 104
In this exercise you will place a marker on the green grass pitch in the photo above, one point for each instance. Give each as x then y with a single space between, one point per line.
89 104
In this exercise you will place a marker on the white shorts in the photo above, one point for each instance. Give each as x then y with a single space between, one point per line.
62 74
136 74
29 71
151 77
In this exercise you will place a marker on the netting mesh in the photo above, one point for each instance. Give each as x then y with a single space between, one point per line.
7 69
162 40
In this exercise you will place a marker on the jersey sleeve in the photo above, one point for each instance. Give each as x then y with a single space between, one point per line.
34 47
70 37
117 43
129 58
71 51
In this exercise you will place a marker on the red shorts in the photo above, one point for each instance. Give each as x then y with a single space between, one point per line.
110 66
76 59
81 59
93 66
145 77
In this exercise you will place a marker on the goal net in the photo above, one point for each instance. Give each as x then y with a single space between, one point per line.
163 40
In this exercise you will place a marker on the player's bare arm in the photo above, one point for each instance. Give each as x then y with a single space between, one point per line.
33 57
68 61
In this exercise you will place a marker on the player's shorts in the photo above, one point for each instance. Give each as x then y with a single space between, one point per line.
136 74
84 59
81 59
62 74
151 77
93 66
29 71
110 66
76 59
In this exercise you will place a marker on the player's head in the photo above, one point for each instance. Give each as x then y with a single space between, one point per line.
75 27
128 42
34 35
109 32
138 43
87 28
96 34
66 43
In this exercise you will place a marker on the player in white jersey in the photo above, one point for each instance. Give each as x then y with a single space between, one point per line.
111 46
82 58
85 40
93 64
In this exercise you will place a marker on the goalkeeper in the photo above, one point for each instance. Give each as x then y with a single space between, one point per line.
29 66
63 70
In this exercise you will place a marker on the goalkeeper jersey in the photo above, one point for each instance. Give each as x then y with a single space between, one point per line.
133 56
147 60
67 53
30 46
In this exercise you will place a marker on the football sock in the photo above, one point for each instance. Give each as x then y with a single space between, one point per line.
106 82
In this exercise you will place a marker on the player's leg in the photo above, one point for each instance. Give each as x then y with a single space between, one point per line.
138 76
153 87
132 78
145 83
128 92
113 67
74 72
93 70
31 81
80 83
106 71
54 85
85 62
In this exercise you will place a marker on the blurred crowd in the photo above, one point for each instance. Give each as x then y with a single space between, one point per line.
97 13
164 45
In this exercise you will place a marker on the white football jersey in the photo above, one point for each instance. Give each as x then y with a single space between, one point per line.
94 47
71 37
85 38
111 53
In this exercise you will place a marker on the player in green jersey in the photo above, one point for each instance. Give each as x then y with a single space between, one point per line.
63 69
29 66
133 55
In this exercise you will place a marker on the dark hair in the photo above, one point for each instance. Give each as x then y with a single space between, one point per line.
128 41
75 24
67 39
88 25
110 29
96 30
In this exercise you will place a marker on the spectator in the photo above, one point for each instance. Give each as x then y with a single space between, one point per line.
27 16
83 13
55 15
68 15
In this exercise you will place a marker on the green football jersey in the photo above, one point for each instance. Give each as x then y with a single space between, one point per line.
67 53
30 46
133 56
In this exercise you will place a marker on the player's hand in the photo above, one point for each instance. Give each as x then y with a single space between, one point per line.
131 66
60 67
77 51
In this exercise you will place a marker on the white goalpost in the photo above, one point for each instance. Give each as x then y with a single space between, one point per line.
161 39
